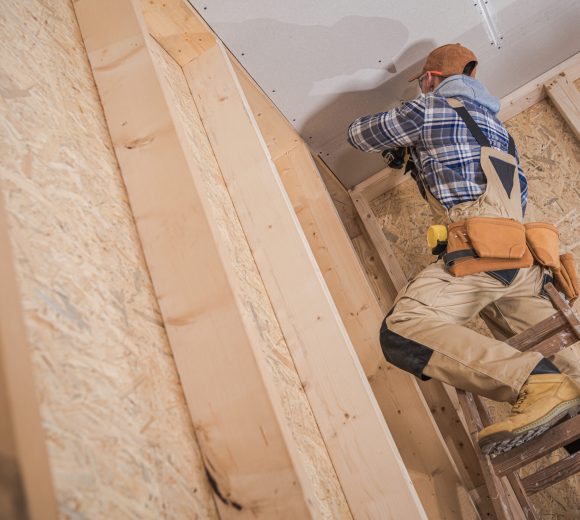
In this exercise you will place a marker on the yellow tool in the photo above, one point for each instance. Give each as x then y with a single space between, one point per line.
437 238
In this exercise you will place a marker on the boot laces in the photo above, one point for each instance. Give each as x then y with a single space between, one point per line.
521 398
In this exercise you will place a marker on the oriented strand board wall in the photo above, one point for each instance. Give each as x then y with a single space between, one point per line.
120 440
550 156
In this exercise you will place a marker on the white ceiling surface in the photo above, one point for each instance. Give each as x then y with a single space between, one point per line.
326 62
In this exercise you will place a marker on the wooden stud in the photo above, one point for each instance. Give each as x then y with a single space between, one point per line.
26 486
340 198
566 98
381 182
390 262
433 473
533 91
194 250
359 443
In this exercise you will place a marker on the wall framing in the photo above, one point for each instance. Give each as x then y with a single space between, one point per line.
177 29
434 473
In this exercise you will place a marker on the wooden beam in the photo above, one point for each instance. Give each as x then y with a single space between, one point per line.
26 488
381 182
215 311
533 91
357 438
565 96
395 272
430 467
409 419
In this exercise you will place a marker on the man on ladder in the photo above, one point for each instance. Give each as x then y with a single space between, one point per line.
467 168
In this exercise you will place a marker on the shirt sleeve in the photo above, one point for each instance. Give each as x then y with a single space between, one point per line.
396 128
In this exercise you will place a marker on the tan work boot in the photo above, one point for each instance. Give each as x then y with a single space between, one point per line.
544 400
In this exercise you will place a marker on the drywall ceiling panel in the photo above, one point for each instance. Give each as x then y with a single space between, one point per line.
326 62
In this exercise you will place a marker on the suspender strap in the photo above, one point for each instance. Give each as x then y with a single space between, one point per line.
511 146
473 127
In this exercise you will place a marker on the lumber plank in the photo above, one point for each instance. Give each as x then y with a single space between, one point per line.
563 93
333 252
399 398
278 133
176 27
358 440
340 197
192 249
533 91
376 274
26 487
386 253
551 475
381 182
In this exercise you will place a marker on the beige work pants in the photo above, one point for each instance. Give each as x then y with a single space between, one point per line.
431 311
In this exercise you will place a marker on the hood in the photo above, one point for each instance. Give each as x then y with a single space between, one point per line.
468 87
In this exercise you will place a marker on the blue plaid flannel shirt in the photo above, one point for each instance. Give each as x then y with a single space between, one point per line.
444 151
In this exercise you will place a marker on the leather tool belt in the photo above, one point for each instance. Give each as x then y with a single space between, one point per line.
483 244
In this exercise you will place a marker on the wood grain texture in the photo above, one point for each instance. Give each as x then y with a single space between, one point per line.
220 324
120 440
327 498
358 441
432 471
566 98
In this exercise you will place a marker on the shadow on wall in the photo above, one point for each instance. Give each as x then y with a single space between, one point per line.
331 72
525 54
318 60
350 165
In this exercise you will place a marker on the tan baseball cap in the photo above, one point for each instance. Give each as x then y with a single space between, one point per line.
447 60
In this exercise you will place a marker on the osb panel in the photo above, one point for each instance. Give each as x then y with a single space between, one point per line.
550 157
121 444
330 501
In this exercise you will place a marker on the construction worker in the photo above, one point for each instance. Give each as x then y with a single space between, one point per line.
467 168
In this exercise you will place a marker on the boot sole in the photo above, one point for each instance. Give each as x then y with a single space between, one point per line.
502 442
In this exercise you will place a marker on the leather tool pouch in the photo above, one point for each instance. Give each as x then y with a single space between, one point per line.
566 277
544 242
483 244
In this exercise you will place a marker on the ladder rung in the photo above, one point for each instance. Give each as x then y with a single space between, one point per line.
552 474
554 438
